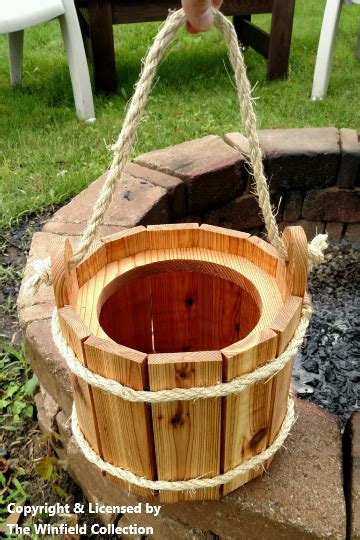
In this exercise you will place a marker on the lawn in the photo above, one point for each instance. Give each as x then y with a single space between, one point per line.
47 155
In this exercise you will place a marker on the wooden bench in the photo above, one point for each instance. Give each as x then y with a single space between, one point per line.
97 18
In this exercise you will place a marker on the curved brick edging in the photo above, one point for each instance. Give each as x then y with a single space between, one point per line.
315 175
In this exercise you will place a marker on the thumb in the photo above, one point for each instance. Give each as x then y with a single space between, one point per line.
198 14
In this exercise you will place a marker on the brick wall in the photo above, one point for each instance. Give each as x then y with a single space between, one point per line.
313 173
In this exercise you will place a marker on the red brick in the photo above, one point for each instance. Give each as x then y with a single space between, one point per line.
135 202
293 205
76 229
40 249
47 410
332 204
210 169
37 312
244 212
301 158
48 364
350 158
311 228
352 472
334 231
174 187
352 233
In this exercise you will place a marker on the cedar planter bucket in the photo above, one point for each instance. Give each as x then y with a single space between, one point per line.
178 306
180 338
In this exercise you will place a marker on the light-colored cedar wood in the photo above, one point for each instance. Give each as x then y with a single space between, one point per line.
126 317
220 239
94 261
284 325
75 333
125 428
297 265
186 434
194 311
173 236
262 254
126 243
245 417
64 280
100 287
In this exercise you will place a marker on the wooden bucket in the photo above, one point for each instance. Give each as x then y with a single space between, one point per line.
178 306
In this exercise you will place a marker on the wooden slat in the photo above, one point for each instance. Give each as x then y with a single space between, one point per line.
126 316
173 236
64 280
125 428
262 254
284 325
75 333
144 11
245 417
94 261
251 35
221 239
126 243
187 434
193 312
297 265
280 38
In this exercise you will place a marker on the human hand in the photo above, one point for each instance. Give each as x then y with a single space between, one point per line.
199 15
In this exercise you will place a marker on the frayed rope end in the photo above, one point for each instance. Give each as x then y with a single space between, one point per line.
41 275
316 250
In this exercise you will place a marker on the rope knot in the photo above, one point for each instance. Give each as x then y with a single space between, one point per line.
41 275
316 250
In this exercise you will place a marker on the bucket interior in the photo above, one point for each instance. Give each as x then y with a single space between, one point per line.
179 311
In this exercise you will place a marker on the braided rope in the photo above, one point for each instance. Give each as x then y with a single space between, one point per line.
235 386
195 483
124 144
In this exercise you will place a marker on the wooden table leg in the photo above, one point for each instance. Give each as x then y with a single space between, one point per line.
102 41
280 38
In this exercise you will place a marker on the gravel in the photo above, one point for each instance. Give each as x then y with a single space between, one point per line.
327 370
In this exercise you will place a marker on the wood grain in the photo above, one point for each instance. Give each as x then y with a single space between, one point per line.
187 434
64 280
246 416
125 428
75 333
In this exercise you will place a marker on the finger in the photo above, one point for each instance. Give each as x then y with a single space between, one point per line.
198 14
217 3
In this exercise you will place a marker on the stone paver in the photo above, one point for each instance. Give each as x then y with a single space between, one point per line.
299 158
135 202
350 158
301 496
174 187
332 204
352 466
210 169
47 363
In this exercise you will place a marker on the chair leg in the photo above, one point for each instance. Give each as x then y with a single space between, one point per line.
78 67
16 42
326 47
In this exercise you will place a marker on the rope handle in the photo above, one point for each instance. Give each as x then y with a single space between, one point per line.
124 144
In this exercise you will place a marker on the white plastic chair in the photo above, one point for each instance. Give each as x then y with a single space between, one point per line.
326 47
16 15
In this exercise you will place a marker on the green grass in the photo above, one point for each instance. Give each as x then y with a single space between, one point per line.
47 155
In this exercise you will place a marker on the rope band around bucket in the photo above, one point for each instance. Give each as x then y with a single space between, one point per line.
194 483
235 386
